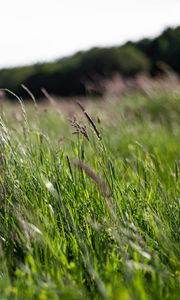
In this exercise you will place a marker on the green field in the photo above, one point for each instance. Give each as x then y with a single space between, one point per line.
94 214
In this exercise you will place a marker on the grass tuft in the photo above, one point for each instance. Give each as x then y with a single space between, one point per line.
93 215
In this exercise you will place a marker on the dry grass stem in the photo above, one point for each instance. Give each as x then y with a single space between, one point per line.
80 129
89 119
100 183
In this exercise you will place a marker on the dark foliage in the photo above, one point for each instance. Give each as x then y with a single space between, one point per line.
69 76
163 49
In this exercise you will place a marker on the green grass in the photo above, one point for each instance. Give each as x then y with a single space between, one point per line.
91 219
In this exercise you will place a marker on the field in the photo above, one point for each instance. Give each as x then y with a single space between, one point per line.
90 198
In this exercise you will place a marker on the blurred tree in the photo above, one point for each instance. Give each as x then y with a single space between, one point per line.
68 76
165 48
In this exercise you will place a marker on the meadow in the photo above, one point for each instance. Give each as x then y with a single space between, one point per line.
89 198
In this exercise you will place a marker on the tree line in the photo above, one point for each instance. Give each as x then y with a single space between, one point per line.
69 76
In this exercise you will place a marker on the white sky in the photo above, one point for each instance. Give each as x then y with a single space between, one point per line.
41 30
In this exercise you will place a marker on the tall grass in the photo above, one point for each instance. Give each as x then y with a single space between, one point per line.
91 218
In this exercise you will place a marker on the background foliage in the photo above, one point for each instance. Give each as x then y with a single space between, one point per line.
69 76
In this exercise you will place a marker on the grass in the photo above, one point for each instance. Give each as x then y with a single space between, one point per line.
96 217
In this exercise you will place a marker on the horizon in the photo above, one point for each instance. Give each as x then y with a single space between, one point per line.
86 49
57 29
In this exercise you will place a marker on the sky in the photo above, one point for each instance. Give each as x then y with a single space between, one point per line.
34 31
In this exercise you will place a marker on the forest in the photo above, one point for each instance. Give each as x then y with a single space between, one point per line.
71 76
